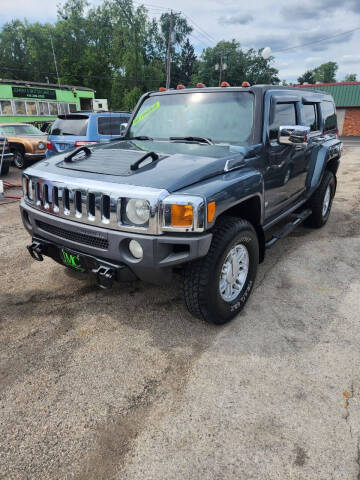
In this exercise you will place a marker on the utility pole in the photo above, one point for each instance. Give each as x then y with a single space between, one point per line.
168 57
221 67
57 73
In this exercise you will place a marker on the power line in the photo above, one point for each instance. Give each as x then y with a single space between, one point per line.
200 29
317 41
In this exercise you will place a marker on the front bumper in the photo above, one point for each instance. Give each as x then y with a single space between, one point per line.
7 157
161 252
35 156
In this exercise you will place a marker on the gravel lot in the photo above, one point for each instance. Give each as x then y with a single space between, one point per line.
125 384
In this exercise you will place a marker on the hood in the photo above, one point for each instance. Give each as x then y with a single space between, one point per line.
179 164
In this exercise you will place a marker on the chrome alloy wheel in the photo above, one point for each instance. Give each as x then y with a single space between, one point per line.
234 272
326 202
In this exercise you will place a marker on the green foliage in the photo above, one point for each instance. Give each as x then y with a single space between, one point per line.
307 77
119 51
241 66
350 77
326 72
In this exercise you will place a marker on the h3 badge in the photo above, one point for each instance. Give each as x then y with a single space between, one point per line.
72 260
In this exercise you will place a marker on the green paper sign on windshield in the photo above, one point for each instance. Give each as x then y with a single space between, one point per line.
146 112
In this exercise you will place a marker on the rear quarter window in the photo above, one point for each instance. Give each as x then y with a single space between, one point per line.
109 125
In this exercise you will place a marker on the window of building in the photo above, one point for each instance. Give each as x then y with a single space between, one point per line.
329 116
283 114
43 108
310 116
53 107
72 107
31 108
6 107
20 107
63 108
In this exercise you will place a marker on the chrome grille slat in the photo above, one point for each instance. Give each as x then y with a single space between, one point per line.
99 205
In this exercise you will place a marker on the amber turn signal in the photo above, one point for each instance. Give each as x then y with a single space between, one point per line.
182 215
211 211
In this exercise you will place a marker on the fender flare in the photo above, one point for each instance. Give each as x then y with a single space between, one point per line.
321 154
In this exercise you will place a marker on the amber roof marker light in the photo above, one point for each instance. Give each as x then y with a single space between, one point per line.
180 87
200 85
162 89
245 84
225 84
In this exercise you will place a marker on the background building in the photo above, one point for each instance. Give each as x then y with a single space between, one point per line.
347 100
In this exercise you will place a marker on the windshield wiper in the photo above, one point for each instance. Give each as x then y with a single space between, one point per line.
140 137
193 139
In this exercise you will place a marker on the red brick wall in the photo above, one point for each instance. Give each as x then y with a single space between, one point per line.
352 122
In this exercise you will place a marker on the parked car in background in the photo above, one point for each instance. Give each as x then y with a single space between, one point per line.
79 129
27 143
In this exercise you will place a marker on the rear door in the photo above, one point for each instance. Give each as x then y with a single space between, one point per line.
67 129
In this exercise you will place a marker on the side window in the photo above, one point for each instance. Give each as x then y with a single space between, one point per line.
282 114
329 116
109 125
310 117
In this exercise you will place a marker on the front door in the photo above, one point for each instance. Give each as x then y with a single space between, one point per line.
287 165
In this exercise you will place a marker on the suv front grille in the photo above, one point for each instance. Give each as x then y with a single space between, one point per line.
85 239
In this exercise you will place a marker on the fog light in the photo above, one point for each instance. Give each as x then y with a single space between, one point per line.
136 249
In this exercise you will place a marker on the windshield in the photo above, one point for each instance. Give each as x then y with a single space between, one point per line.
71 125
18 130
219 116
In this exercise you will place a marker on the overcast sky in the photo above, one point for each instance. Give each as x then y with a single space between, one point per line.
258 23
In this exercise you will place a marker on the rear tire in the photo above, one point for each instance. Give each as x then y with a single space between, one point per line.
19 160
217 286
321 202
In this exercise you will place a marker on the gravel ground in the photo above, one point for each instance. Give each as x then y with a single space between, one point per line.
125 384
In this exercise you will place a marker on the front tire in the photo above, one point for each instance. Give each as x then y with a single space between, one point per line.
321 202
19 160
217 286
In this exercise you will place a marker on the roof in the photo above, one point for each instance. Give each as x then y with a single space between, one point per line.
6 81
345 94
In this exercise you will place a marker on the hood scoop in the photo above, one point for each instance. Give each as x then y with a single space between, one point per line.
109 161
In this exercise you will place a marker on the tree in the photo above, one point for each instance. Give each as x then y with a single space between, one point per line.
326 72
350 77
242 65
307 77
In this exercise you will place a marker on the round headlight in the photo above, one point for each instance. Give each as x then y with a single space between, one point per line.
138 211
41 145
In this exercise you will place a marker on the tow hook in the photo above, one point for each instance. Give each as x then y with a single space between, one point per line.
104 276
35 250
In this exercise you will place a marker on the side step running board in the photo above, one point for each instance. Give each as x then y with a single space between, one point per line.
289 227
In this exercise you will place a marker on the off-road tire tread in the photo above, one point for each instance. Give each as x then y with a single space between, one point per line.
196 274
316 220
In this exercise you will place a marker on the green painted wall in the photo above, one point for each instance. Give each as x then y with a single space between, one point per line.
34 94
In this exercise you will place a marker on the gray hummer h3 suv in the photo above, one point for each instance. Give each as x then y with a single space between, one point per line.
203 181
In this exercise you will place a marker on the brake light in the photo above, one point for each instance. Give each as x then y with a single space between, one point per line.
49 145
82 143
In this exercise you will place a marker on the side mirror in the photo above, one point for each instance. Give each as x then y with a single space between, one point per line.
293 135
123 128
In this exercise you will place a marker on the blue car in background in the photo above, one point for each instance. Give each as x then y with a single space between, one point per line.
84 128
